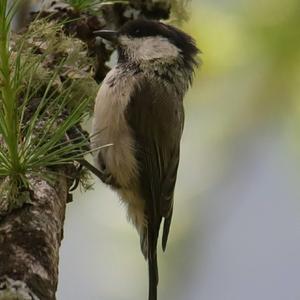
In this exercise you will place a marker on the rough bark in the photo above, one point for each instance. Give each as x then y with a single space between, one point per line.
30 236
29 244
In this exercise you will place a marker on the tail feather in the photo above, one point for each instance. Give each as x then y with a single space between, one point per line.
152 263
167 223
153 277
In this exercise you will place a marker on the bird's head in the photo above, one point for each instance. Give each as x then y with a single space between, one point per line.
145 40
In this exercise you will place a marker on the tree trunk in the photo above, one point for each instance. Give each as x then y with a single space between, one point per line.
30 238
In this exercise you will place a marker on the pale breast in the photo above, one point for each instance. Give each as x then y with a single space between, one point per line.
110 126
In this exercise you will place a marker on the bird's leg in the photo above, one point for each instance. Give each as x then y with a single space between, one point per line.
76 179
103 175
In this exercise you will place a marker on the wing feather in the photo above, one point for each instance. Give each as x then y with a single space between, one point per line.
155 116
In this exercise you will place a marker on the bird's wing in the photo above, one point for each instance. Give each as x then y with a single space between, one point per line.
155 116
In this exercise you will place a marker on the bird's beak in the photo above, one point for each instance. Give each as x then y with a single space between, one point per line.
110 35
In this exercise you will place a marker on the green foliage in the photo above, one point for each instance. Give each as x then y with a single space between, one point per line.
9 87
56 53
37 109
179 11
81 5
88 5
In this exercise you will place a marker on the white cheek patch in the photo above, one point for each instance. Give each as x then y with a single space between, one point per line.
148 48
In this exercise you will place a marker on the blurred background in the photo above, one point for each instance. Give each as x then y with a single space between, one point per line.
236 226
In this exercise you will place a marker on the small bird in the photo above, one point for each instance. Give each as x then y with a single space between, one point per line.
139 109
